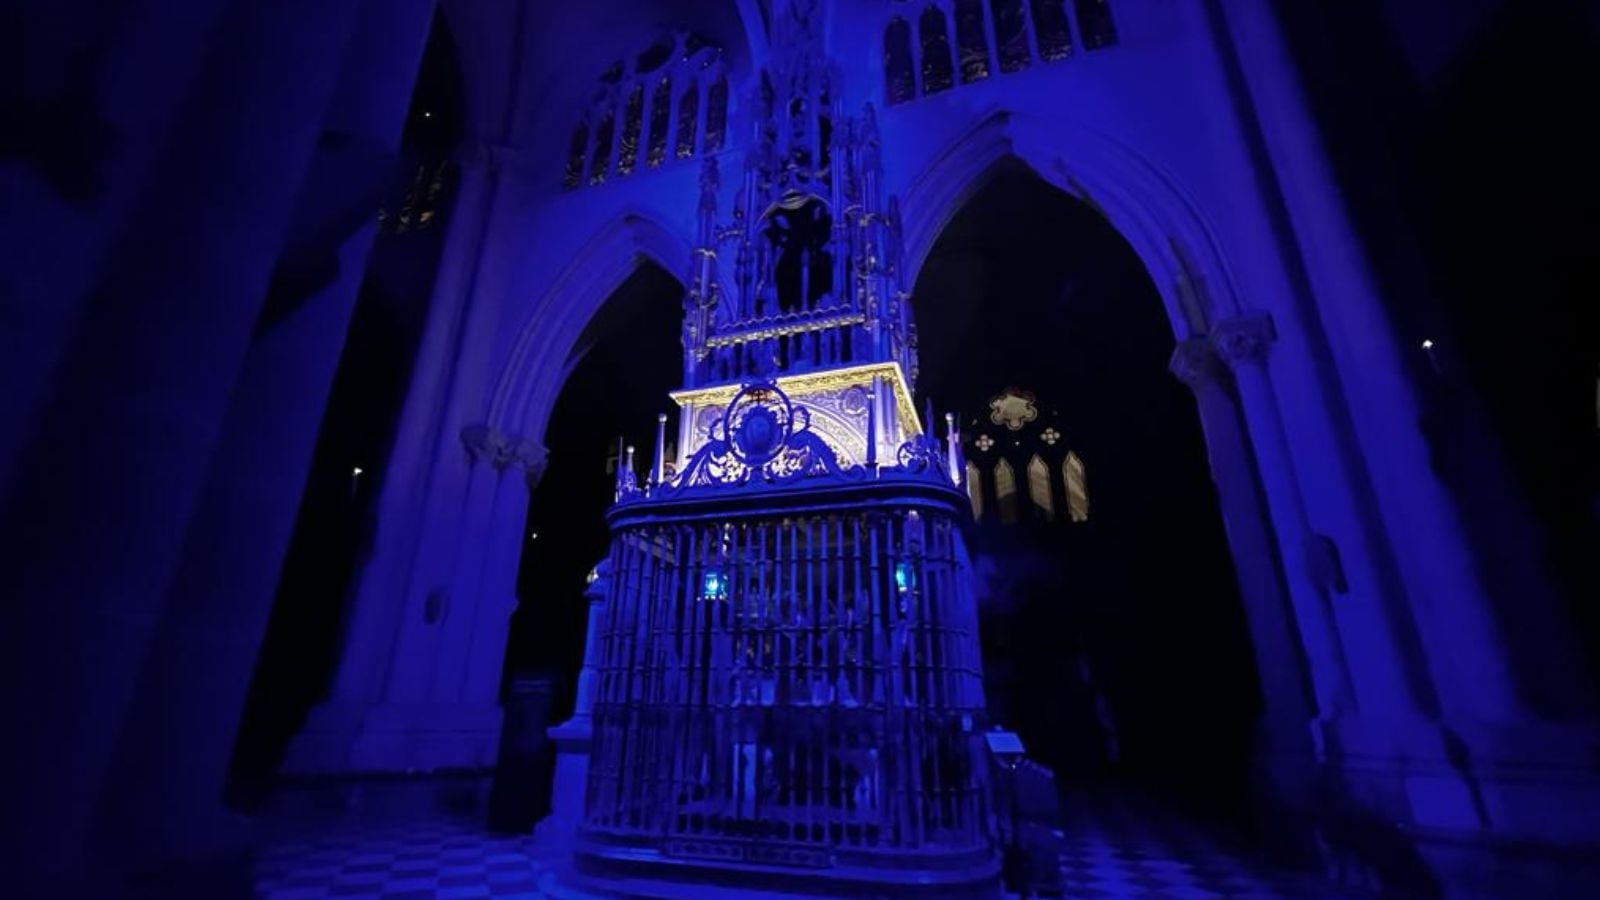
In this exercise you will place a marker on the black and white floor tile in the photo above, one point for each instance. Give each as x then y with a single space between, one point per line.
1107 853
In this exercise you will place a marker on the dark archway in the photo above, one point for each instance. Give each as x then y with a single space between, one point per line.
618 375
1116 645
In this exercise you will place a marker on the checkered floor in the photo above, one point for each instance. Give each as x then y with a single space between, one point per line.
1111 852
441 858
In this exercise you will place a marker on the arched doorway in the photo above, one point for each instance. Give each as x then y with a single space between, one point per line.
1115 638
616 379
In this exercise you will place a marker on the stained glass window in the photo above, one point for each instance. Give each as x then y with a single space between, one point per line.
1005 491
1077 488
716 115
1039 488
601 159
974 44
575 155
1010 34
1051 29
975 489
1095 24
938 73
660 115
898 83
688 119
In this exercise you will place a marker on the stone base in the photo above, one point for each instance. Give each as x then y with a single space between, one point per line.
572 739
396 738
603 867
382 796
1427 808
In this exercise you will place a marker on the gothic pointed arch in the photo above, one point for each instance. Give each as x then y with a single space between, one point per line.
1147 205
531 375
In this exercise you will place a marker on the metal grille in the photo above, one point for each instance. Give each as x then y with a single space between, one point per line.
785 689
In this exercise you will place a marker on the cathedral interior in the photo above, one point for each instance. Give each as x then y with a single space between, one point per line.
800 448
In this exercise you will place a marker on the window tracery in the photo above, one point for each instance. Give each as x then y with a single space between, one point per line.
1077 488
1005 491
632 115
1039 488
938 72
649 106
974 37
1095 23
1051 29
575 155
973 42
899 84
688 118
660 117
975 489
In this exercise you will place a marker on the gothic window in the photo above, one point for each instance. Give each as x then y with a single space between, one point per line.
1005 491
1039 488
973 42
937 70
575 155
638 108
975 490
1010 34
660 115
600 161
688 119
716 115
1051 29
899 84
1077 488
632 114
1094 23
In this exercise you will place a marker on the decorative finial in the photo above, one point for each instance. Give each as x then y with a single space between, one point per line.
658 468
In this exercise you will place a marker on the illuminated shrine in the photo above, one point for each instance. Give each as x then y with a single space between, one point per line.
784 673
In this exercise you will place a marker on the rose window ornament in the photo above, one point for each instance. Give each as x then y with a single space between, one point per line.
984 442
1013 408
1050 435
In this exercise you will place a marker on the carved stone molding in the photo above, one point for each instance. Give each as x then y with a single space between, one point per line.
1195 362
1244 338
500 450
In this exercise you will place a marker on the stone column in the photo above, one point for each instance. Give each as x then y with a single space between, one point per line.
574 737
174 760
1257 559
1243 343
419 488
103 96
1468 658
93 527
439 706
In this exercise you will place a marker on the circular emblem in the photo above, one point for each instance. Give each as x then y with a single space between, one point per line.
758 422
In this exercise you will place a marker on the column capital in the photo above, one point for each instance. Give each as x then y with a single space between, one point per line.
1244 337
500 450
1196 363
